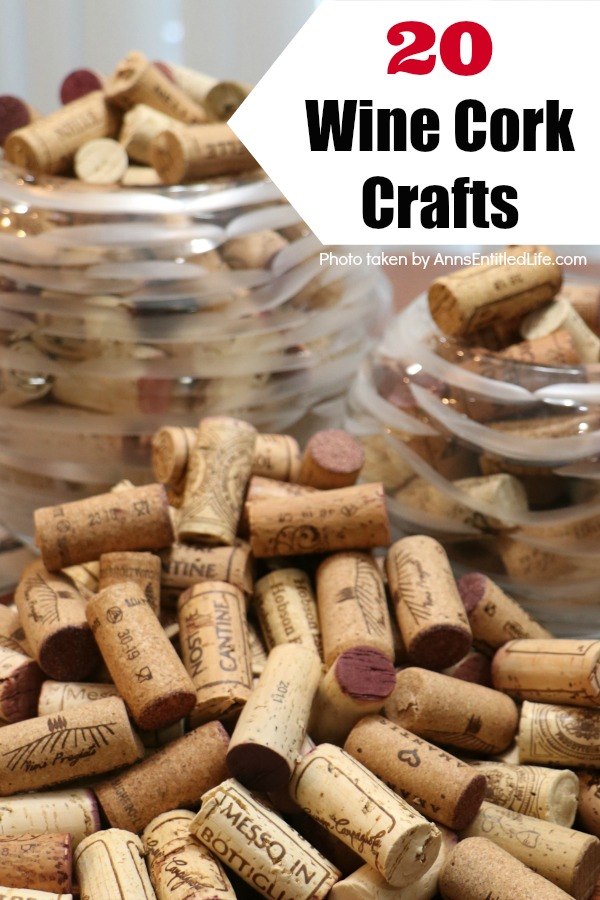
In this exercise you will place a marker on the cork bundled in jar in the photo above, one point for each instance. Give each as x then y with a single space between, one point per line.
110 866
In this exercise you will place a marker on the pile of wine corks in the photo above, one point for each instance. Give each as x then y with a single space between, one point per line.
229 684
147 123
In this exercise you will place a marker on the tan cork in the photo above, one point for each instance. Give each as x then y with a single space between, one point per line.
548 670
140 126
213 636
197 152
81 531
549 794
142 568
559 735
171 448
267 738
331 459
175 776
450 711
184 565
136 80
58 695
140 658
196 84
74 812
431 616
554 349
110 866
52 612
224 98
88 740
255 251
42 862
588 805
286 608
280 863
181 867
561 314
9 893
585 300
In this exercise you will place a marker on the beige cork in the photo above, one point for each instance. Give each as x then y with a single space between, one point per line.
144 569
367 816
436 784
74 812
224 98
260 846
216 480
20 682
58 695
50 143
366 884
549 794
357 684
213 635
286 608
276 456
585 300
567 858
258 651
180 867
353 609
12 635
88 740
140 658
588 805
555 349
261 488
494 617
561 314
110 866
195 84
353 518
478 869
267 738
450 711
84 577
254 251
54 620
42 862
101 161
331 459
136 80
546 670
81 531
171 448
184 565
175 776
476 297
431 616
559 735
140 126
197 152
140 176
9 893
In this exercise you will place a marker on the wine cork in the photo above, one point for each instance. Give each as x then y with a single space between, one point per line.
184 565
433 782
357 684
287 610
14 113
542 427
110 866
50 143
477 869
53 615
549 671
353 518
135 80
585 300
432 618
140 126
365 814
81 531
195 84
276 456
12 635
140 658
171 448
78 83
198 152
476 297
144 569
548 794
175 776
102 161
449 711
58 695
224 98
268 735
473 667
554 349
42 862
215 649
353 609
588 805
561 314
216 480
140 176
494 617
260 846
20 682
254 251
89 740
9 893
567 858
559 735
258 651
180 867
261 488
85 577
331 459
74 812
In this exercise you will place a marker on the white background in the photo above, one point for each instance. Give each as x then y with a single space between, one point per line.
542 50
